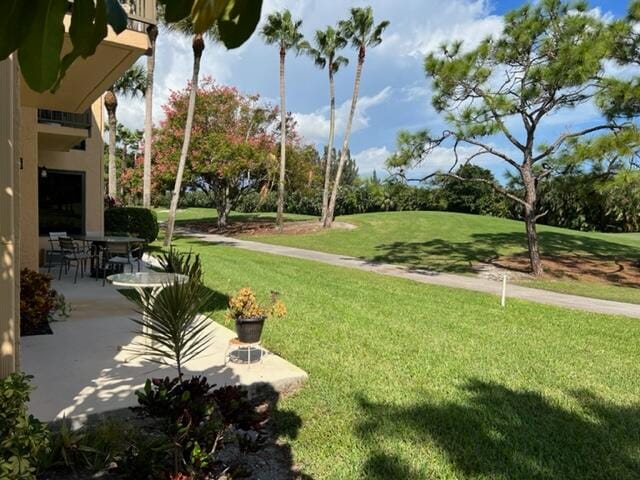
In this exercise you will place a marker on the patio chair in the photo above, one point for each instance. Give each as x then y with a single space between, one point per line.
54 249
116 256
72 253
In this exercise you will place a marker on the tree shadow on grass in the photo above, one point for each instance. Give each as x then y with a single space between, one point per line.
459 257
507 433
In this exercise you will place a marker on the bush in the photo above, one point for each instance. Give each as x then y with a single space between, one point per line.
23 438
38 302
139 222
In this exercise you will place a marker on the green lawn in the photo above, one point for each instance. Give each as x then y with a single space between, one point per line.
451 242
412 381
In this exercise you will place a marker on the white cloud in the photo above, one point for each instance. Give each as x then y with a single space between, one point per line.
314 126
371 159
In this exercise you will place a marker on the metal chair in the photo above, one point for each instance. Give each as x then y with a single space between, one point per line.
72 252
54 249
117 256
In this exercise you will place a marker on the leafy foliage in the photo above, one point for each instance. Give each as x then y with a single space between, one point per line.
184 263
39 303
23 438
36 30
140 222
194 417
172 326
232 143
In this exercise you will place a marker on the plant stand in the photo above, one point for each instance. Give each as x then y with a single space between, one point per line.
236 345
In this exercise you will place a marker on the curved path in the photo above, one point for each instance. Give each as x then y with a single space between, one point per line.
435 278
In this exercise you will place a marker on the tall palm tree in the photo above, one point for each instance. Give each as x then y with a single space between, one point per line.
131 84
324 53
363 33
197 44
152 33
283 31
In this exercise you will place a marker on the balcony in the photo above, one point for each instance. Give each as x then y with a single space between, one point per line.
61 131
87 79
141 13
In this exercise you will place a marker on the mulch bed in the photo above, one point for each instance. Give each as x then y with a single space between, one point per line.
255 227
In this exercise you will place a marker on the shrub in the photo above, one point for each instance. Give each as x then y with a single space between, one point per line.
184 263
195 417
139 222
38 302
23 438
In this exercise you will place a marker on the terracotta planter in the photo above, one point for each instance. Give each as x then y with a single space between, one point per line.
249 330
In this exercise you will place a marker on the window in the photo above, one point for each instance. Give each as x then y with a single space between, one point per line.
61 201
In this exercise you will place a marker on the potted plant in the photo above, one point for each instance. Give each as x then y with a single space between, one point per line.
250 316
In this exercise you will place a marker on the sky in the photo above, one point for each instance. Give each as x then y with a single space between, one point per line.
394 94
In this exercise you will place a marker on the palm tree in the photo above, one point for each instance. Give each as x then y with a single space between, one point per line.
152 33
282 30
197 44
363 33
324 53
131 84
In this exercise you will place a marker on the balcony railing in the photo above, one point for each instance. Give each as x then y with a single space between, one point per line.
141 13
65 119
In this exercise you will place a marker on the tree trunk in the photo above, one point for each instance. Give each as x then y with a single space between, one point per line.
530 220
223 208
345 142
332 126
198 47
152 32
283 142
111 104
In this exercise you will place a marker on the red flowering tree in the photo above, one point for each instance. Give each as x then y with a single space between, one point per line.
232 145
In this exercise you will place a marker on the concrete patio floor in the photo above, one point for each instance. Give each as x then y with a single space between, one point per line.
86 366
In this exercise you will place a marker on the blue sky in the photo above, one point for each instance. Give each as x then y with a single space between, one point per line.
394 94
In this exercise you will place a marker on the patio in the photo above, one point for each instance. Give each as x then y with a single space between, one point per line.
84 368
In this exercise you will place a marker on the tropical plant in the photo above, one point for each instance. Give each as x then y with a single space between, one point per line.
173 327
327 44
187 27
548 59
281 29
131 84
363 33
183 263
23 438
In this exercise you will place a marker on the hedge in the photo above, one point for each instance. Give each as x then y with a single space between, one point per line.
136 221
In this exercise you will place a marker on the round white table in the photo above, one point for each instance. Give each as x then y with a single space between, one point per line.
140 281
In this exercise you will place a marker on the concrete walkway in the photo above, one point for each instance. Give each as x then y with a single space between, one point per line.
87 366
435 278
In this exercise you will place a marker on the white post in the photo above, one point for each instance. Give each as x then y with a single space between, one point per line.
503 301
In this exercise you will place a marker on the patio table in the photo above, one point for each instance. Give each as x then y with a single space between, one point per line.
101 240
139 281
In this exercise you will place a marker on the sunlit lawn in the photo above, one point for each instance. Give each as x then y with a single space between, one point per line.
411 381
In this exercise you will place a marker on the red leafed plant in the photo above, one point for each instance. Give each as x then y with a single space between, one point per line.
38 302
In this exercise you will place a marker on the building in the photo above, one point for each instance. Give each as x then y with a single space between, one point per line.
51 160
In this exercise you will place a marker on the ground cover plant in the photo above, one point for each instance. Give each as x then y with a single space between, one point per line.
415 381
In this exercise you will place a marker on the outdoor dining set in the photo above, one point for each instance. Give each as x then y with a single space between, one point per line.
97 255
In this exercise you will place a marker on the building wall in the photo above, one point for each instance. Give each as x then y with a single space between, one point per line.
29 188
9 218
89 161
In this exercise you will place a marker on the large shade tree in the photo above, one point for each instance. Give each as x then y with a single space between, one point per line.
131 84
498 97
324 51
232 146
284 31
363 33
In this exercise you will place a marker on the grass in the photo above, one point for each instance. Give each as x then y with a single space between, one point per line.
452 242
413 381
